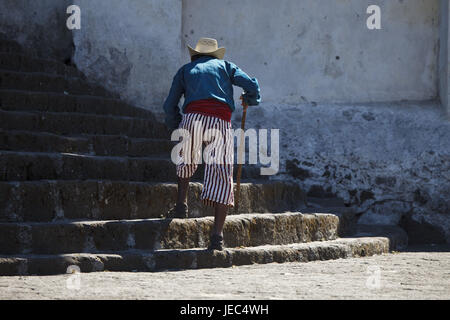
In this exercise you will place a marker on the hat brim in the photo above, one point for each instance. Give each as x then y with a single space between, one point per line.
219 53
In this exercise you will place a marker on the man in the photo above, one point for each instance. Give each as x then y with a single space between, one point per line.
207 85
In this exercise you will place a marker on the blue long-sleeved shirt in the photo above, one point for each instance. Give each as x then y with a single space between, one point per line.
205 78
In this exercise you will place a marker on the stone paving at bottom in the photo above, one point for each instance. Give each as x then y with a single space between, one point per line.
415 274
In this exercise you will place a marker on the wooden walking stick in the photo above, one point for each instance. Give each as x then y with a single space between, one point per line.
240 154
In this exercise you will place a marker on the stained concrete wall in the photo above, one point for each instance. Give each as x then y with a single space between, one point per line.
390 161
322 50
132 47
444 57
387 160
40 26
301 51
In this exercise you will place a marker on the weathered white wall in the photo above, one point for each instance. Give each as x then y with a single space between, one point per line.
291 46
389 160
132 47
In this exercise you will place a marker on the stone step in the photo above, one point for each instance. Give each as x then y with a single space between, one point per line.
9 46
397 236
44 82
19 100
347 216
30 166
245 230
25 63
325 202
22 166
159 260
81 123
115 200
88 144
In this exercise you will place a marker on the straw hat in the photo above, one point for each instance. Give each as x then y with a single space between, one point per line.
207 46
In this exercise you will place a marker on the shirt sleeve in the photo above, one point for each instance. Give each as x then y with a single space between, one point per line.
250 85
171 109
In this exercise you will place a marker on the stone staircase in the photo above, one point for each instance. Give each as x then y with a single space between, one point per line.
85 179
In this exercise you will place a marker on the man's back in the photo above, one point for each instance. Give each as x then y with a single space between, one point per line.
207 78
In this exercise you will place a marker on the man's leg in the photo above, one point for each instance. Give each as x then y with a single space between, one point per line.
187 168
183 187
220 213
218 191
180 210
218 181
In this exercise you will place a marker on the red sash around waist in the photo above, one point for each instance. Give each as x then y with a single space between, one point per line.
210 107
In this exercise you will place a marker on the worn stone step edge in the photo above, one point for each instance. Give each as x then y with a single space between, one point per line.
244 230
51 83
10 46
15 56
325 202
71 123
26 63
17 60
17 166
49 200
145 261
20 100
398 238
87 144
347 217
27 166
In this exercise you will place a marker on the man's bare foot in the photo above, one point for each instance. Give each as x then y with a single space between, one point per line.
179 211
216 242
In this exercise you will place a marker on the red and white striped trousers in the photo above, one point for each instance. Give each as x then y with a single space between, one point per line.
218 179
